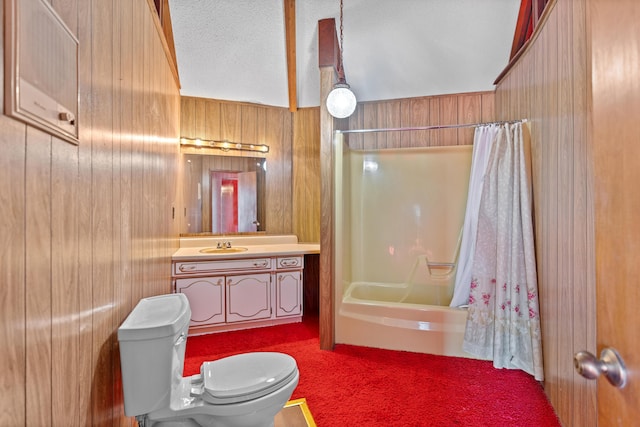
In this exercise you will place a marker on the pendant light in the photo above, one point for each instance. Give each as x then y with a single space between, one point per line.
341 101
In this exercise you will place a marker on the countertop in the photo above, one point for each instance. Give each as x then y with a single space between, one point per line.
257 246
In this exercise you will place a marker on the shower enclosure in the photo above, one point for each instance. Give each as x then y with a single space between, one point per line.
398 221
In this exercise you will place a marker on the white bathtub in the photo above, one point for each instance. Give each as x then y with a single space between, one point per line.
371 315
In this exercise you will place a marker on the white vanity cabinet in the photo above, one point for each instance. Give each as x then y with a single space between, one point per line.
239 293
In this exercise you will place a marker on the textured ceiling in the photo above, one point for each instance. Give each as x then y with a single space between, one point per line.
235 49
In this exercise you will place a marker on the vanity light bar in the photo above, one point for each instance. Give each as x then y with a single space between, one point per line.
223 145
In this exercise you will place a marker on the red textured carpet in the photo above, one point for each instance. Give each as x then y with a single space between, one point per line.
360 386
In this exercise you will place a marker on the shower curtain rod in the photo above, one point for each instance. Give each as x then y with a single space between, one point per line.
431 127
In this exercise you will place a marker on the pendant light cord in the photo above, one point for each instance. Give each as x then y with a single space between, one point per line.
341 70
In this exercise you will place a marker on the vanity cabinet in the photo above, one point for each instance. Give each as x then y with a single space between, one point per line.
228 294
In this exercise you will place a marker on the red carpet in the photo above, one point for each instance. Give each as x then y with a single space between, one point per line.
359 386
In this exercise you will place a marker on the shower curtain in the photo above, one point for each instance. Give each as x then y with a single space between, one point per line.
482 143
503 322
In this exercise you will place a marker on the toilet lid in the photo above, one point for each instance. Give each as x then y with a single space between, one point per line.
246 376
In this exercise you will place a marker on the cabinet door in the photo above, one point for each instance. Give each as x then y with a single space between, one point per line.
248 297
206 299
289 293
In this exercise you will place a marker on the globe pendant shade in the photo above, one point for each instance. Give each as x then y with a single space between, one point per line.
341 102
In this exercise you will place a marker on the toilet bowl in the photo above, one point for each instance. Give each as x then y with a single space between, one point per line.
246 390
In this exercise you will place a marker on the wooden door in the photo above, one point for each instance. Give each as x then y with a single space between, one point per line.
616 162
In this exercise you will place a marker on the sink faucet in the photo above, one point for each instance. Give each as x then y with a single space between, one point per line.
223 245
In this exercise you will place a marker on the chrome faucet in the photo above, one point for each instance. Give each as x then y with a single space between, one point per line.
223 245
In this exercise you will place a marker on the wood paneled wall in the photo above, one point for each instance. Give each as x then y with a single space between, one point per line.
292 191
306 174
454 109
550 86
87 230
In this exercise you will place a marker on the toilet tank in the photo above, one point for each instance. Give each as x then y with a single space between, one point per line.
152 345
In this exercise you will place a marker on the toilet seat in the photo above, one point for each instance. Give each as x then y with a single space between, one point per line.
245 376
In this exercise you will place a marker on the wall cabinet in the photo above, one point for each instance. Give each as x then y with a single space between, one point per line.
241 293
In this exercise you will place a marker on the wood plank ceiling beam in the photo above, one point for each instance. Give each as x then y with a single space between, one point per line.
290 35
328 46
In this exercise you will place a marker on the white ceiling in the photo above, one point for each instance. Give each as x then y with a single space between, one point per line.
235 49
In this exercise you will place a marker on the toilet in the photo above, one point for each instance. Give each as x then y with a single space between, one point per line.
246 390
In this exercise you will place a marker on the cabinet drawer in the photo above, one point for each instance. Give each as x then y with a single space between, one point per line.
290 262
249 264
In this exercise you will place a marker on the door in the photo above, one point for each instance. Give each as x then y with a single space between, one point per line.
616 163
206 299
289 293
234 202
247 202
248 297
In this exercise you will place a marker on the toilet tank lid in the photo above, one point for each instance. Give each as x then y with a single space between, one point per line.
156 317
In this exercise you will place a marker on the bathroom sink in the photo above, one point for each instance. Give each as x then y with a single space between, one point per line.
223 250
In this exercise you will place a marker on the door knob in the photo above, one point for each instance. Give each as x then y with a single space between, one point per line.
610 364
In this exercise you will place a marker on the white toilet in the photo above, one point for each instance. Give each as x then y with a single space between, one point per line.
245 390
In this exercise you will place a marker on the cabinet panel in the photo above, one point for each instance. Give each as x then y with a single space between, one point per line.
41 74
248 297
206 299
289 293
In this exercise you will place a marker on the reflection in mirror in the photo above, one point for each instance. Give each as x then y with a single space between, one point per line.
223 194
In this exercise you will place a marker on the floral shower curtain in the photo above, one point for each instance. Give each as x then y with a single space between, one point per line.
482 142
503 322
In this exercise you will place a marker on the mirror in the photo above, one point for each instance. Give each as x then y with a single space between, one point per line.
223 194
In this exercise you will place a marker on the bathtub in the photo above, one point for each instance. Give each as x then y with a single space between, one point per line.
398 218
390 316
